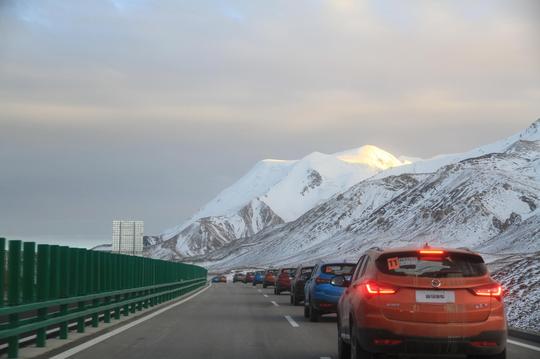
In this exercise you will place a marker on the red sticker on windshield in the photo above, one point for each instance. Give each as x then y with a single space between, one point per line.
393 263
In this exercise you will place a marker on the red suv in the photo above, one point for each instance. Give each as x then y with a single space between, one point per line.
283 281
427 301
270 278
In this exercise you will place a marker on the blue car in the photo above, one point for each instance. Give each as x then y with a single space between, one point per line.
259 278
321 296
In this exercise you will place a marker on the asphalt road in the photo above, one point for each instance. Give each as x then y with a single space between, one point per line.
233 321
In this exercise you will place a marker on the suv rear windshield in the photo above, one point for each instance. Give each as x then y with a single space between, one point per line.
273 271
306 270
338 269
447 265
288 271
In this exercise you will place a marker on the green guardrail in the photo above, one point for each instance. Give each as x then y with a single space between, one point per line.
58 285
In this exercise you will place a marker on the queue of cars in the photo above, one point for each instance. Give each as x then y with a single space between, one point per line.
413 301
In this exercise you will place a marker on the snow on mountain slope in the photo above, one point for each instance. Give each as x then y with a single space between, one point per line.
481 201
531 134
276 191
520 278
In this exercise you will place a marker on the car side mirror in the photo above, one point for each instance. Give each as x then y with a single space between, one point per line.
340 281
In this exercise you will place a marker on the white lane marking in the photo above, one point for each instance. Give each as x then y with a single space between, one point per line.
258 290
532 347
326 357
90 343
291 321
265 295
274 303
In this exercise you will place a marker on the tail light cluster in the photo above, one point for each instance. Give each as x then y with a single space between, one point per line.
320 280
374 288
494 291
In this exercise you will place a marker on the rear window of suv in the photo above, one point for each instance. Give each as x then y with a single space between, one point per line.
338 269
447 265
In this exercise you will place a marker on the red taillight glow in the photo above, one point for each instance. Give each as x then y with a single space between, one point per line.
320 280
483 344
387 341
374 288
493 291
431 251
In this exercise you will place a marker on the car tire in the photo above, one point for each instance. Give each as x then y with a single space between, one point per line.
295 300
314 314
344 349
264 285
306 311
291 299
356 351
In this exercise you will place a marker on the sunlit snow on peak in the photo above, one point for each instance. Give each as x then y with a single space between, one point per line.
372 156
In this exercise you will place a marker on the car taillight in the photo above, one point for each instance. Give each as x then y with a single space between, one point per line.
431 251
320 280
374 288
491 291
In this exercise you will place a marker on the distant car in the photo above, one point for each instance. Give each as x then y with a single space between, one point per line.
223 279
421 302
249 277
302 274
216 279
321 297
283 280
270 278
238 277
258 278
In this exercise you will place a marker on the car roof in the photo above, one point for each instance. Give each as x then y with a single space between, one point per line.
378 251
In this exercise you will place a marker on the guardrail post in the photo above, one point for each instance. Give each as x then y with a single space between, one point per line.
29 272
14 273
43 286
82 286
54 291
65 288
95 271
2 270
105 282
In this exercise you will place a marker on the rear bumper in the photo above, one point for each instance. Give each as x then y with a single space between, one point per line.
432 346
283 286
268 283
325 306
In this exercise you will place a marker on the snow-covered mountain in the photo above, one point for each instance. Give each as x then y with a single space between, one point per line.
487 199
273 192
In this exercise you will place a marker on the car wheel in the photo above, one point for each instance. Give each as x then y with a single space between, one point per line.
291 299
264 286
295 299
357 352
306 311
344 349
314 314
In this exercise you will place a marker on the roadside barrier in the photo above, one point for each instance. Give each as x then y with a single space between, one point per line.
58 285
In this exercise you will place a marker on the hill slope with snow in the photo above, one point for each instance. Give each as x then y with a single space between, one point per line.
272 192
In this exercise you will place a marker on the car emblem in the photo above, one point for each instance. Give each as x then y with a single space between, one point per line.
436 283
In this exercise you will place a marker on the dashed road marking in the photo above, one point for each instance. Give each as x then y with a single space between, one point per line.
275 304
532 347
265 295
258 290
326 357
291 321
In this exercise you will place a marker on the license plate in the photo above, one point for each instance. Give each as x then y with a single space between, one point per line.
435 296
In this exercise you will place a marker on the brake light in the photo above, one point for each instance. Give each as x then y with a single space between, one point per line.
483 344
320 280
431 251
374 288
492 291
387 341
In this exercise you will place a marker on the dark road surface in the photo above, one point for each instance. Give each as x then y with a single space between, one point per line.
233 321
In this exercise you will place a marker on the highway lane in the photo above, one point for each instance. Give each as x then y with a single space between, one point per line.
232 321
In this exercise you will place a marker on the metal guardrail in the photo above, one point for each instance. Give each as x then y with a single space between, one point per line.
58 285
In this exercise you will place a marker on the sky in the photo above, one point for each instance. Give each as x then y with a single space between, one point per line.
145 110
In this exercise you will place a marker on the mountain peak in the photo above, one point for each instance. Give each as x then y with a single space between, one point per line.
370 155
